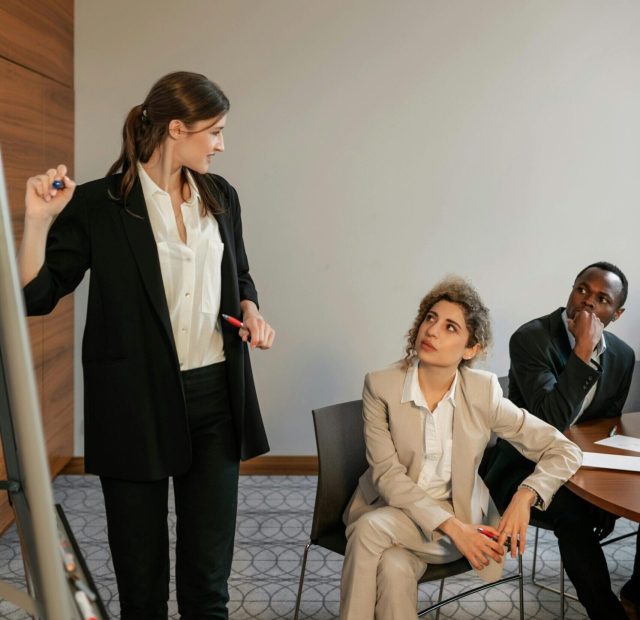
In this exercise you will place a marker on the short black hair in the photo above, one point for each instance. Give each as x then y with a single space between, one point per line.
605 266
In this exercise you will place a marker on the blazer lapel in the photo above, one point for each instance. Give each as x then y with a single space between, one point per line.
135 220
229 290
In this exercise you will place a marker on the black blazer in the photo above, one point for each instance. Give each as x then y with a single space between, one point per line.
135 419
549 380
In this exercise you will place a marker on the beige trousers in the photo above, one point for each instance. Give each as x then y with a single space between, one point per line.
386 555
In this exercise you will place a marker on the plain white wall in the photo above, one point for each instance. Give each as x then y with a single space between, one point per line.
378 146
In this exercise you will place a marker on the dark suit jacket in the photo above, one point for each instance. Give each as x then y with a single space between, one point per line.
135 419
550 381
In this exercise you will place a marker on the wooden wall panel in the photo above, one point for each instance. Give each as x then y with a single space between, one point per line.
6 514
38 35
58 125
36 132
57 399
22 144
21 132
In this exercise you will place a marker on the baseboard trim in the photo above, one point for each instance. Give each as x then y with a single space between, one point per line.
280 466
259 466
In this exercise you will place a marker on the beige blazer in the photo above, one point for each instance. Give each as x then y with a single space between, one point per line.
394 437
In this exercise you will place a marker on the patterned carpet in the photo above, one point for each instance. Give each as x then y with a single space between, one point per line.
273 523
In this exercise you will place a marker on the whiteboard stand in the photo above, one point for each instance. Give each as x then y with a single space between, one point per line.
53 564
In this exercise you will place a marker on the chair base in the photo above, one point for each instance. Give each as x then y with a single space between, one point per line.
304 566
452 599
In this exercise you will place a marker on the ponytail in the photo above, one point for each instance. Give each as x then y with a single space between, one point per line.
190 97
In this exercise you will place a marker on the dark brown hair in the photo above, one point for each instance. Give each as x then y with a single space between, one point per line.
188 97
476 315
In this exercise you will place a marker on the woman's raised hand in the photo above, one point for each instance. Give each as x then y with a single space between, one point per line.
43 201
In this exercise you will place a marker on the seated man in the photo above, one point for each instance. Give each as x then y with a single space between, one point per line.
564 369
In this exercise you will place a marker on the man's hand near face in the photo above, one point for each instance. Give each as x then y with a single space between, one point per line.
587 329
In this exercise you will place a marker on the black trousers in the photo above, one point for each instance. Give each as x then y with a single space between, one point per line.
572 520
205 502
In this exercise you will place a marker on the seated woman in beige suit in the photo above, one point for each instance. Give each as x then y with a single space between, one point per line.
427 422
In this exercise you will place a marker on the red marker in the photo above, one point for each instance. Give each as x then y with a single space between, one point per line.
494 537
232 321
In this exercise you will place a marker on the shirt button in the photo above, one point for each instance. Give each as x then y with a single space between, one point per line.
187 294
184 329
181 364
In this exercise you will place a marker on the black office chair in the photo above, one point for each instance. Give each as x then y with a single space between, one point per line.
632 404
341 461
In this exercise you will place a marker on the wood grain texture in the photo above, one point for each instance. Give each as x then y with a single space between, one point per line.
22 143
6 514
36 131
615 491
38 35
58 125
21 133
57 398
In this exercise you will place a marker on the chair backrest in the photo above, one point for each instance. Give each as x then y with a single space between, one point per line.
504 384
341 461
491 451
633 400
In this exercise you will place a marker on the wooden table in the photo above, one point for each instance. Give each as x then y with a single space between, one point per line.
615 491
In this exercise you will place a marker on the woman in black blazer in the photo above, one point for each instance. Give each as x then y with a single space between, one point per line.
168 385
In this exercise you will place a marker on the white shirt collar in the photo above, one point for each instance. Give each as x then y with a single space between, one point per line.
412 392
600 347
149 186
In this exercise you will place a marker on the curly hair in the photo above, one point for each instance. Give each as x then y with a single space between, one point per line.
458 291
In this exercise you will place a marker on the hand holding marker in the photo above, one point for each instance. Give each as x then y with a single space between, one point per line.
232 321
494 537
236 323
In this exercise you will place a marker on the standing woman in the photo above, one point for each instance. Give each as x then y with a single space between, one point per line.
168 385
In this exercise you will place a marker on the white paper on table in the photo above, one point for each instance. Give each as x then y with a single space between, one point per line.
611 461
621 441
